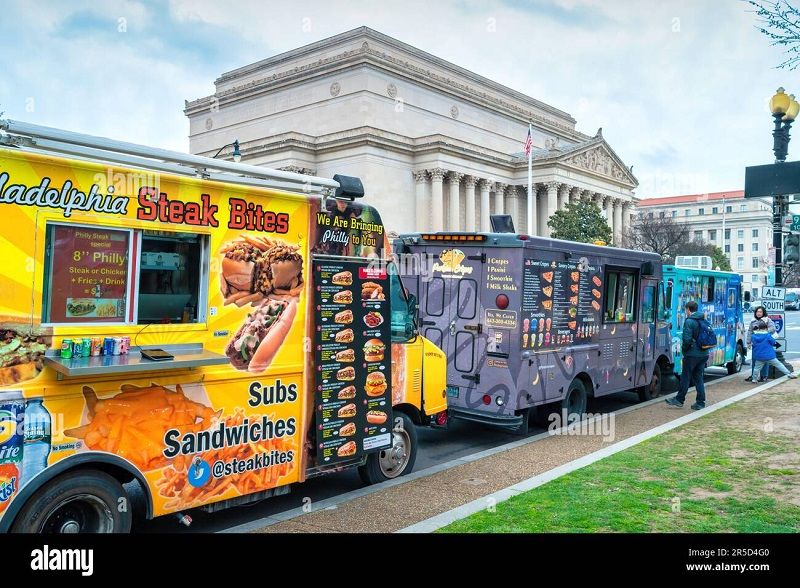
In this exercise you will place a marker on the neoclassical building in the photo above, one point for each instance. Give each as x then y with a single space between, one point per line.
437 146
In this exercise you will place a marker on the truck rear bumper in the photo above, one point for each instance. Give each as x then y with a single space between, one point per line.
486 418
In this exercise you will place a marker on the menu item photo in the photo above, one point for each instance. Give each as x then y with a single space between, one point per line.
343 297
372 291
348 430
344 336
347 449
346 374
373 319
343 279
343 318
376 384
347 393
80 306
347 411
345 356
376 417
374 350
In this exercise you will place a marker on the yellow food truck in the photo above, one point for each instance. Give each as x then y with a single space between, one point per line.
211 330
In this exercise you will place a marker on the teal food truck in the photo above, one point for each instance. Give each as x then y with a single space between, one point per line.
719 296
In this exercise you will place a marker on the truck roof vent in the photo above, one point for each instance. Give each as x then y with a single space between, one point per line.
349 188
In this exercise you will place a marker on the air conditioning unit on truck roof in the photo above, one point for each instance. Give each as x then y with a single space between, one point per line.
694 261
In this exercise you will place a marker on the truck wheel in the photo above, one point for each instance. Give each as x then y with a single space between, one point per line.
653 389
735 366
85 501
396 460
575 401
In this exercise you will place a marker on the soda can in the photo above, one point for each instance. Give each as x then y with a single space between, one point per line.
66 349
86 348
77 347
12 439
125 345
97 346
108 346
117 345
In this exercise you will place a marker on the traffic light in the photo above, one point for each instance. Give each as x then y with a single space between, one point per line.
791 249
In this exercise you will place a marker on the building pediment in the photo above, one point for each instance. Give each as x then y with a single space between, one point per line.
597 158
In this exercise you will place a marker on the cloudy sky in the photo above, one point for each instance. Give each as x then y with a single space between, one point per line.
679 87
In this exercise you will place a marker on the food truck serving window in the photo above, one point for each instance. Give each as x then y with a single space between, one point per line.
95 274
620 297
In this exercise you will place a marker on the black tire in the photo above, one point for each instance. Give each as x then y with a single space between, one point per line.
84 501
653 389
396 461
735 366
574 401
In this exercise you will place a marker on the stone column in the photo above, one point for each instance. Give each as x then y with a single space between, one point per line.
437 198
541 193
552 204
454 214
469 194
626 217
617 221
486 187
499 197
597 198
511 206
574 194
563 196
423 211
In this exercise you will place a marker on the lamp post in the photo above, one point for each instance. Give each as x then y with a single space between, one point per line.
237 155
784 110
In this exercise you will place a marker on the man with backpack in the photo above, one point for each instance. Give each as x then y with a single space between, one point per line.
698 340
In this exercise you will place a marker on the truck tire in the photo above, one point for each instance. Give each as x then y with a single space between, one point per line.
398 460
574 401
653 389
735 366
83 501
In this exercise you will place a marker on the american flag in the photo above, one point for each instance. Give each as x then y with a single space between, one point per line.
528 142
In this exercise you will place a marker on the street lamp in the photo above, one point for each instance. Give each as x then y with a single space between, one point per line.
237 155
784 110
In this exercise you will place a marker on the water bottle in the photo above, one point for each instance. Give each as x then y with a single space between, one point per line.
37 439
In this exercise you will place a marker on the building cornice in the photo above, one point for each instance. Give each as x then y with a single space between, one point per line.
450 79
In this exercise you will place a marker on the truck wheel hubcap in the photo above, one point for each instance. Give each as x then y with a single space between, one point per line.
83 513
395 459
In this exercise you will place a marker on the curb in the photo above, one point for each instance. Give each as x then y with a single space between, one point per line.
463 511
334 501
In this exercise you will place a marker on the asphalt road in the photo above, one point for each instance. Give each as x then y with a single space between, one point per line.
435 446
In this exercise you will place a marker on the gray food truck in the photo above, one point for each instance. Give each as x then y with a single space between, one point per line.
528 321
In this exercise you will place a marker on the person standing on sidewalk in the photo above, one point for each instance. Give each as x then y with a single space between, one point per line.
764 351
759 314
694 360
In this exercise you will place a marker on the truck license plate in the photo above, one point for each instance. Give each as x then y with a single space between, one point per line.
452 391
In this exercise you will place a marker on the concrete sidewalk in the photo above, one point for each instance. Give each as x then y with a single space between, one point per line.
402 505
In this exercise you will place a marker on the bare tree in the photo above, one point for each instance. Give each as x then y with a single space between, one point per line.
657 234
779 21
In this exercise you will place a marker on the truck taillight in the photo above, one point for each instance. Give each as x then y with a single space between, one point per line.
487 399
441 418
501 301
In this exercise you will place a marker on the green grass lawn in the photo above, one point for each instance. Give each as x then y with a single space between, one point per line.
720 473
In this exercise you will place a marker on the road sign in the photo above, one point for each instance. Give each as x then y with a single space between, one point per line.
795 224
775 179
772 299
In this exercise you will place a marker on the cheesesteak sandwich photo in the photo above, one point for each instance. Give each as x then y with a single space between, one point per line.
256 267
260 337
22 349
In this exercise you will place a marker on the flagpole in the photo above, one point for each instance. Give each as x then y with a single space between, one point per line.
531 229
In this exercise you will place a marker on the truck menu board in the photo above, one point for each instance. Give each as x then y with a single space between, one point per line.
561 303
88 275
353 360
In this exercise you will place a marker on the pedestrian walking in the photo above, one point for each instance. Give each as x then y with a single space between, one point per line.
759 314
764 355
697 340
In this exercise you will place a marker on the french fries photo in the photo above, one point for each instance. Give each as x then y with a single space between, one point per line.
132 423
